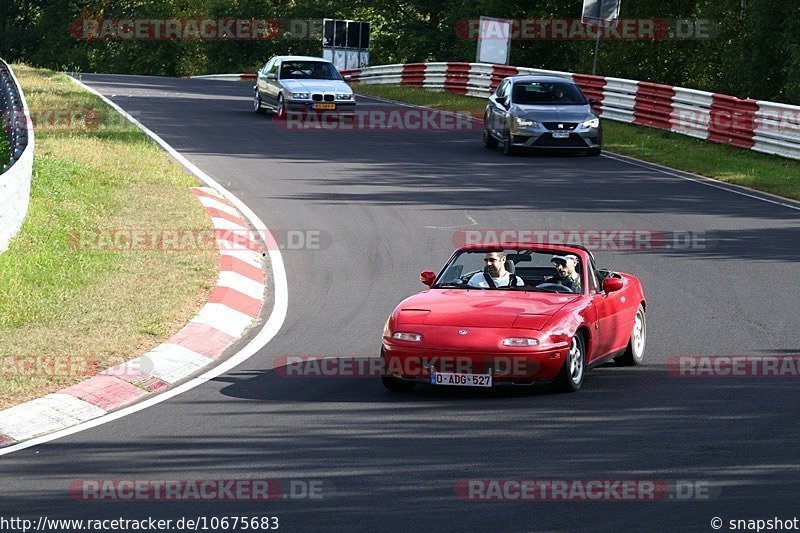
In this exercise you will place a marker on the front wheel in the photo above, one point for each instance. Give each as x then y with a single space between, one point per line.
570 378
488 140
594 152
280 111
508 149
257 107
634 353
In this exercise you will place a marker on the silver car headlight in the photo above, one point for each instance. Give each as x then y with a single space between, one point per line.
591 123
344 96
297 96
525 123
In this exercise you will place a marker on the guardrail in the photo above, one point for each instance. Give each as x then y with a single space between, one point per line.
767 127
15 179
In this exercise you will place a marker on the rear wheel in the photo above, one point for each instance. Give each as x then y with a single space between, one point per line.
570 378
634 353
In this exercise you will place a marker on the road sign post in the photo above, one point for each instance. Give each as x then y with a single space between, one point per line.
603 14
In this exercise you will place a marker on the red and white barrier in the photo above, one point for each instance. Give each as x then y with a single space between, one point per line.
766 127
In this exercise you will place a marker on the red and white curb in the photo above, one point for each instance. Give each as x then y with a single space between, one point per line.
232 307
63 414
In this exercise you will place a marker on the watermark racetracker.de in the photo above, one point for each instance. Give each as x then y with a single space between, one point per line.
597 239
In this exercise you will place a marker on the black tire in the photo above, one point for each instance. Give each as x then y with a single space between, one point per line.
280 111
634 353
489 141
570 379
257 105
396 385
594 152
508 149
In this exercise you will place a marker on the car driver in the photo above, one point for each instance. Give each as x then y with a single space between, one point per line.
496 269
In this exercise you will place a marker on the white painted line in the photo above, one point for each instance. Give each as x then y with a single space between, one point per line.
243 284
172 362
267 332
223 318
216 204
44 415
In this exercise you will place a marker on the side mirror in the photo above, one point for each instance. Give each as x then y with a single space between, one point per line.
501 100
348 77
611 285
272 76
427 277
594 102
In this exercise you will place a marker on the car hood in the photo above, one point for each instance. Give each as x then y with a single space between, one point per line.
481 308
553 113
320 86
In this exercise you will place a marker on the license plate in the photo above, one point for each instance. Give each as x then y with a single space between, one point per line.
560 135
461 380
324 106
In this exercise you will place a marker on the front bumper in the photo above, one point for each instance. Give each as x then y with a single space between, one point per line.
343 108
507 368
543 139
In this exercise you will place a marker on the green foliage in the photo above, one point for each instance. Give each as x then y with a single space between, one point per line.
752 52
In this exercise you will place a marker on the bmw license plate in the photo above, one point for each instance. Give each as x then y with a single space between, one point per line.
560 135
324 106
462 380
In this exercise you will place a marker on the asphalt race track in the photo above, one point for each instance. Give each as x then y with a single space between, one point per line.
386 204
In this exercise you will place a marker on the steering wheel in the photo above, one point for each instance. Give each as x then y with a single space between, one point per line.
555 287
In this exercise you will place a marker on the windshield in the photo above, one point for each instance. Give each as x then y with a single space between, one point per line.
549 93
309 70
534 270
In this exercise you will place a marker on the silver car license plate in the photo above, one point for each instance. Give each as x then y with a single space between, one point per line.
560 135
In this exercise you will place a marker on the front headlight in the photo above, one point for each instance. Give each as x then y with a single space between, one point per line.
343 96
410 337
525 123
519 342
298 96
591 123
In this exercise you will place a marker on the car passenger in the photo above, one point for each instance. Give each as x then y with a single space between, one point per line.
496 269
567 276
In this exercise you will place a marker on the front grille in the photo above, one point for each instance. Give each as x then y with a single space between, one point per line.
316 97
560 125
329 98
573 141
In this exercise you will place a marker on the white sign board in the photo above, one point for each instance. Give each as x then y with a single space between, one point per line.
601 12
494 41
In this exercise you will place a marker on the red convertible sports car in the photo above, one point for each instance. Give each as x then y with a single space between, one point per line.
514 314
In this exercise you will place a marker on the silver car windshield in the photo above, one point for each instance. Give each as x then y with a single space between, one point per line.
308 70
550 93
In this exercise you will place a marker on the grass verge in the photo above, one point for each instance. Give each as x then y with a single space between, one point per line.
772 174
65 312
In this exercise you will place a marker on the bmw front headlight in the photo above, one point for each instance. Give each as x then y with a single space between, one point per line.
344 96
525 123
591 123
299 96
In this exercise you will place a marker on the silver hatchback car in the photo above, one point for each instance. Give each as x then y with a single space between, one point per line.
541 112
301 84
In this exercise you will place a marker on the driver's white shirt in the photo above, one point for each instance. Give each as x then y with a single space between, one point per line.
479 280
